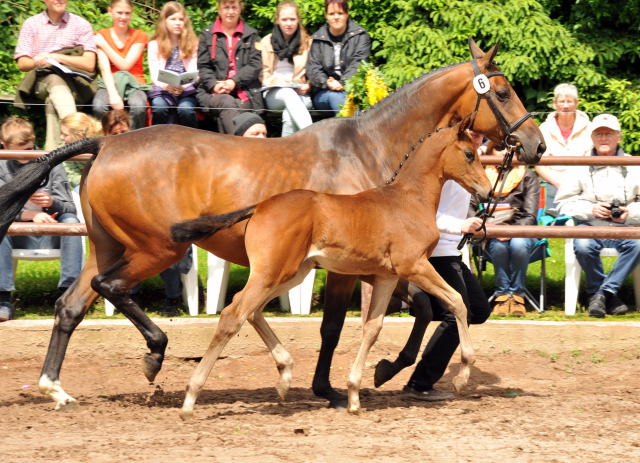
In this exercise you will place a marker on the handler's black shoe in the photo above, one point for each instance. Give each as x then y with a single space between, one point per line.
597 305
429 395
7 311
171 307
614 305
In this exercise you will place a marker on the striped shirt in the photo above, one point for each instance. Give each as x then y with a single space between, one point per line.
40 35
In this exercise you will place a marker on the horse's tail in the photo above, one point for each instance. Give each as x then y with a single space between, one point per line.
14 194
195 229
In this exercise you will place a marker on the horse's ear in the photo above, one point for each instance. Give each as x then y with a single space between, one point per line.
464 125
493 52
476 53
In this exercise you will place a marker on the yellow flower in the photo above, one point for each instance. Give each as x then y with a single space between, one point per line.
349 107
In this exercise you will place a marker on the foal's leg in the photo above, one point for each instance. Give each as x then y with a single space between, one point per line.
382 291
251 299
385 370
426 277
338 291
70 309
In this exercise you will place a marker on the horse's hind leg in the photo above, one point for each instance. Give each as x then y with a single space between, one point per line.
426 277
382 291
251 299
385 370
338 291
70 309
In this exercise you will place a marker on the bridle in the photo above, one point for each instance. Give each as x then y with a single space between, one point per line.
483 89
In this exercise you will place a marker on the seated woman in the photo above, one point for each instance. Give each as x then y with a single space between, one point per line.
120 50
74 127
510 256
284 62
228 84
173 48
337 50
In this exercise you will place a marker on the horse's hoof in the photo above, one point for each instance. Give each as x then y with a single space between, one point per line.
459 384
186 415
385 370
340 403
152 363
283 390
336 400
66 405
354 410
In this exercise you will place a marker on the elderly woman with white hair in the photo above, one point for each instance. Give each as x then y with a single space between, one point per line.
566 133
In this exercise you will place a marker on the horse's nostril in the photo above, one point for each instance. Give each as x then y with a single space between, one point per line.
541 149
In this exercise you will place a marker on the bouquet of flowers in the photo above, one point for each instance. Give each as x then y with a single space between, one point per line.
364 89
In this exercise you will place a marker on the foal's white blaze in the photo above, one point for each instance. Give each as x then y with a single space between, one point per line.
54 390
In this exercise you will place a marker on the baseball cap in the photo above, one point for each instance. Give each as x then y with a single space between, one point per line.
605 120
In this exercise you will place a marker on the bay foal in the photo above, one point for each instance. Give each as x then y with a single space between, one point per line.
386 232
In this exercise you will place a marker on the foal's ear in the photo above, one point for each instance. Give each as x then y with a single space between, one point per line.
476 53
464 125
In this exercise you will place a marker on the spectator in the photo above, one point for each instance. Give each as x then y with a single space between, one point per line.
566 133
229 64
74 127
519 197
284 61
248 124
120 50
51 203
56 36
337 50
604 195
115 122
173 48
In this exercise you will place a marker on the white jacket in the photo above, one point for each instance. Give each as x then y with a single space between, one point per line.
578 144
592 184
452 212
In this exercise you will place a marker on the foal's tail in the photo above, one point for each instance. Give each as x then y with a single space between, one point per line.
31 176
195 229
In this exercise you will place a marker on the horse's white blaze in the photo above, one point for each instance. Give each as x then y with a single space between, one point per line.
54 390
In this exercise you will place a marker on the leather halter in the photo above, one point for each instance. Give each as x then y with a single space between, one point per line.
508 129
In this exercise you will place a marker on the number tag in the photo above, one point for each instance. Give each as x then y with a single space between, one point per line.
481 84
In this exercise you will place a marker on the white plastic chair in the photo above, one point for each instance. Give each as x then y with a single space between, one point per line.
189 288
572 276
299 301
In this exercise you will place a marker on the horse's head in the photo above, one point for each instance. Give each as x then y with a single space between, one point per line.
462 163
500 113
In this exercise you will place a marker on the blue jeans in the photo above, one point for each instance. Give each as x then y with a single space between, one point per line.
296 108
328 99
163 113
588 255
510 261
70 254
136 104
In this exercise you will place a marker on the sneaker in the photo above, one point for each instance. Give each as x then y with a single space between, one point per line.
597 306
7 311
517 307
503 304
614 306
171 307
429 395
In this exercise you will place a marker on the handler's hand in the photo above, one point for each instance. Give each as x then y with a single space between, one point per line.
471 225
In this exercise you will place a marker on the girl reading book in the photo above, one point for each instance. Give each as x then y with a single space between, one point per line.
120 50
173 48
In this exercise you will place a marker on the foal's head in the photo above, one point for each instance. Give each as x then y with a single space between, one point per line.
461 163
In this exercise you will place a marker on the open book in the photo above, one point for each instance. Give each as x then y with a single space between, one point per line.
61 68
174 78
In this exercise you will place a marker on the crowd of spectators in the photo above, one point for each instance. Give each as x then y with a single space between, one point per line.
225 78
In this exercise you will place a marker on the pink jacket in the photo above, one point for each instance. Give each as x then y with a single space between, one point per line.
157 62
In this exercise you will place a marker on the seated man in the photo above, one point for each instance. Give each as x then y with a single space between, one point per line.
604 195
51 203
56 36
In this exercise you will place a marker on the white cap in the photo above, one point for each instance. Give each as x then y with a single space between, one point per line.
605 120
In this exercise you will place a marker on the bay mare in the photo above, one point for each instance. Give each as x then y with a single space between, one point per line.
141 182
388 232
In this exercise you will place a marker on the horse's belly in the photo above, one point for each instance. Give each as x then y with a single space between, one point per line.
337 261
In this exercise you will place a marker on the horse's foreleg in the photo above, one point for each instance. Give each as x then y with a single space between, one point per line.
250 300
70 309
426 277
385 369
338 291
382 291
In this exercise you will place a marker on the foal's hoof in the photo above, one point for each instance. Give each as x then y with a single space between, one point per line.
385 370
66 405
459 384
152 363
186 415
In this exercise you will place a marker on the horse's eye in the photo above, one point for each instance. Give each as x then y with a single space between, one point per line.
470 155
502 95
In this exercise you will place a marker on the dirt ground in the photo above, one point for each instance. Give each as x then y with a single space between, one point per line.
540 392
